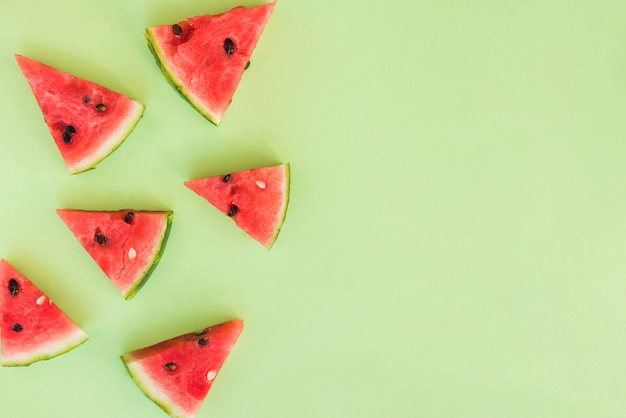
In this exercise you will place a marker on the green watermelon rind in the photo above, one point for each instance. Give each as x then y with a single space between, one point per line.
63 346
174 81
113 143
280 218
178 88
152 392
284 212
155 261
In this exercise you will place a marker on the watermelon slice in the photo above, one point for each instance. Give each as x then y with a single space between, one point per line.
87 121
178 373
204 57
32 327
255 199
126 244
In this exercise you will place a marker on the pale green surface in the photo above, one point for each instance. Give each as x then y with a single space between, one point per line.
455 244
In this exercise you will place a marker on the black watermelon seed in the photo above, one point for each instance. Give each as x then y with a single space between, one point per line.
67 138
203 341
101 107
233 211
14 287
129 217
227 178
67 134
229 46
86 99
177 29
247 65
171 366
100 238
17 328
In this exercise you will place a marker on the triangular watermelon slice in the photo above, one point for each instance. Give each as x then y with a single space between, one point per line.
126 244
204 57
255 199
32 327
177 374
87 121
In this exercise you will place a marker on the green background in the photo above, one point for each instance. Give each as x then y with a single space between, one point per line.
455 244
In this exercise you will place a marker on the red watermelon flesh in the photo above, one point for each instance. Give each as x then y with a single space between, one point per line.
177 374
126 244
32 327
255 199
204 57
87 121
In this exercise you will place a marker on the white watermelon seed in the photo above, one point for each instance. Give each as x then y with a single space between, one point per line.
211 375
132 253
261 184
40 300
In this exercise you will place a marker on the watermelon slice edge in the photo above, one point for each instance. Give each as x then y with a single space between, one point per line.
194 61
177 373
87 120
127 252
256 199
32 327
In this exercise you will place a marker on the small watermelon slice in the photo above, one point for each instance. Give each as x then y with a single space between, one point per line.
126 244
177 374
204 57
255 199
32 327
87 121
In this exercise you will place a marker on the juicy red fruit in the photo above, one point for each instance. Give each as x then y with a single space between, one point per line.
178 373
87 121
255 199
204 57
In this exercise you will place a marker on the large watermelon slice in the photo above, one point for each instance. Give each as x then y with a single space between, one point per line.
255 199
32 327
87 121
205 56
126 244
178 373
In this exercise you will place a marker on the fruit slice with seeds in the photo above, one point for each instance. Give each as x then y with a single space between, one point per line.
255 199
87 121
32 327
126 244
204 57
178 373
